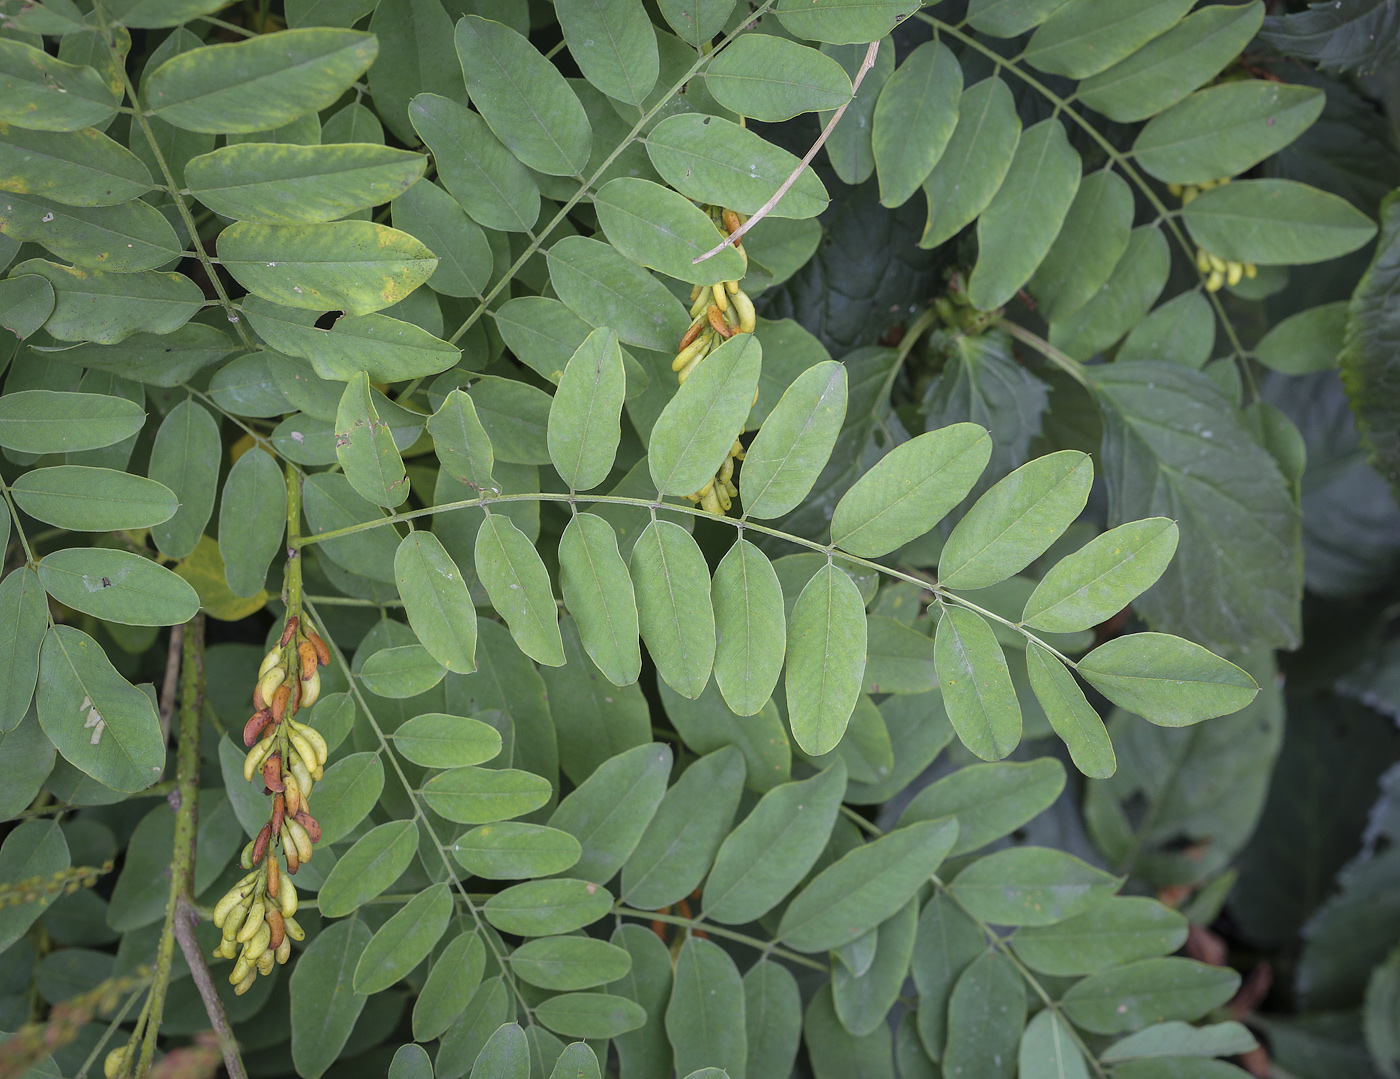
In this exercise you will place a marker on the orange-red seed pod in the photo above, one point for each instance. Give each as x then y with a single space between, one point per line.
323 654
289 631
279 702
253 729
260 844
311 824
272 773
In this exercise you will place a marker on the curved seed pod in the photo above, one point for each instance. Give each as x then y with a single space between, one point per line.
265 963
274 877
252 730
284 951
269 682
294 929
251 922
246 984
272 772
323 654
718 324
279 810
277 926
280 698
257 943
260 844
311 824
301 745
224 906
240 970
115 1063
315 740
233 920
289 848
289 630
307 652
254 760
287 899
258 703
293 791
311 690
269 661
301 838
743 307
245 859
721 296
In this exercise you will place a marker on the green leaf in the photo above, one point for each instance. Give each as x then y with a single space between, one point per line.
109 307
487 1010
331 503
945 945
42 93
33 848
516 417
1225 130
1309 341
1085 37
461 443
1016 521
437 602
278 184
355 266
577 1061
707 724
1093 239
120 239
608 812
1367 362
1149 991
1169 67
1048 1050
985 1015
541 908
661 228
435 740
862 1001
606 289
1070 714
795 442
252 516
404 941
851 146
258 84
101 724
865 887
365 448
598 592
50 421
910 490
82 498
455 973
977 689
1135 283
614 45
482 175
513 851
1017 229
974 162
118 586
648 984
506 1054
515 578
26 302
585 414
989 800
416 53
465 261
324 1005
898 659
1102 577
185 459
1010 18
835 1053
705 1015
486 795
714 160
914 119
569 963
602 719
1273 222
22 607
1167 680
590 1015
750 627
402 672
75 168
1121 930
346 794
1031 886
375 861
843 22
695 431
774 847
674 611
825 659
179 354
411 1062
770 78
679 844
523 97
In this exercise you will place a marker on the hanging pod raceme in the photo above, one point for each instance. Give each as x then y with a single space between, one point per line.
717 313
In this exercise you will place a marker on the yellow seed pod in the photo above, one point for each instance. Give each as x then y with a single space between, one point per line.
721 295
725 470
1215 281
696 348
251 922
115 1063
1217 263
1202 260
687 370
731 287
241 970
287 897
258 945
701 304
748 318
311 689
269 661
284 951
1251 271
271 680
294 929
266 962
1175 189
1233 272
246 984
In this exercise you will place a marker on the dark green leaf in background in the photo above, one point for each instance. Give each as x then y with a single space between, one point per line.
252 516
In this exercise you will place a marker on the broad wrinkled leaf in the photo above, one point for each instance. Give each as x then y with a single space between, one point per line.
257 84
455 973
45 94
23 608
774 847
107 308
75 168
1085 37
585 415
750 627
843 21
50 421
770 78
524 98
287 184
977 689
865 887
614 45
461 443
914 119
604 288
946 943
569 963
365 448
598 592
705 1015
974 162
825 659
1048 1050
674 610
485 795
437 601
101 724
711 159
1273 222
252 517
1167 680
356 266
1031 886
1102 577
989 800
404 941
118 586
985 1014
1149 991
608 812
185 459
795 442
1070 713
83 498
1121 930
324 1005
541 908
514 576
661 228
435 740
513 851
695 431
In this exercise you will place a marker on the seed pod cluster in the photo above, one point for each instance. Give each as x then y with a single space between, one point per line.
256 914
717 313
1218 271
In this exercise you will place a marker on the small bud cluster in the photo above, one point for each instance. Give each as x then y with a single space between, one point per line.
717 313
256 915
65 881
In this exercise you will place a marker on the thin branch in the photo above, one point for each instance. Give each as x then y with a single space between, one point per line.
172 681
185 922
871 52
1065 362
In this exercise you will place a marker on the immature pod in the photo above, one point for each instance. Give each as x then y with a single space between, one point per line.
311 690
258 703
301 838
293 791
245 859
289 848
115 1063
251 922
721 295
241 970
265 963
268 662
256 756
247 983
269 682
287 899
696 348
743 307
284 951
294 929
257 943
